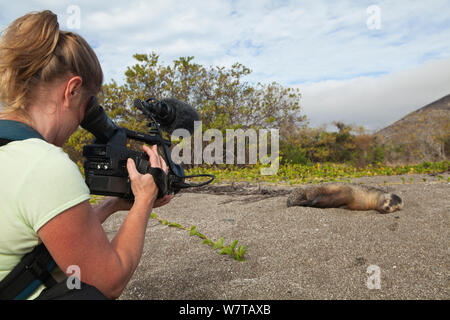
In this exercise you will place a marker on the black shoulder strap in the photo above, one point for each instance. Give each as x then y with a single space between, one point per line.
4 141
15 130
34 268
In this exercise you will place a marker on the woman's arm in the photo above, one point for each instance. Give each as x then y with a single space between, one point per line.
106 208
113 204
76 237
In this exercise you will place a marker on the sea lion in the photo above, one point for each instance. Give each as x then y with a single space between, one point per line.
348 196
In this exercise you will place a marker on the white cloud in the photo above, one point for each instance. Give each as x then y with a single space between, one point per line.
376 101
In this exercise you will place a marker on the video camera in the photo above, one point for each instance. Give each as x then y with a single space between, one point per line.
105 165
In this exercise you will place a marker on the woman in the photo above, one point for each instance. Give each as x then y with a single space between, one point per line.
47 77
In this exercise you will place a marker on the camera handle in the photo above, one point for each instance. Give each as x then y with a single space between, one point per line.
155 137
159 176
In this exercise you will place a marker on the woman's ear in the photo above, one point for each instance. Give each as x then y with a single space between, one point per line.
72 92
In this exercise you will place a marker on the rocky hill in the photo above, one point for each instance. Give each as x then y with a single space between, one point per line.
422 135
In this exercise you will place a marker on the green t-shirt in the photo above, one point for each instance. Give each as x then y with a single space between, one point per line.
38 181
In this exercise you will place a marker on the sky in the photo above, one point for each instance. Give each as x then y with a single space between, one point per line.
362 62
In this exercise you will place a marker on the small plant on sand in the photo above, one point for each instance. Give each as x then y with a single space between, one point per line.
232 250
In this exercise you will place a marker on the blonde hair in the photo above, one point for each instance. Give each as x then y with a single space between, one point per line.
34 52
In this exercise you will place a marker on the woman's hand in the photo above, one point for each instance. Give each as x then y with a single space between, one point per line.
143 185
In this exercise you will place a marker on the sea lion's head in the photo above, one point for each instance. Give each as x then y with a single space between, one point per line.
390 203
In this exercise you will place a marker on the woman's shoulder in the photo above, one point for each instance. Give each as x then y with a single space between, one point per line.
37 147
39 153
